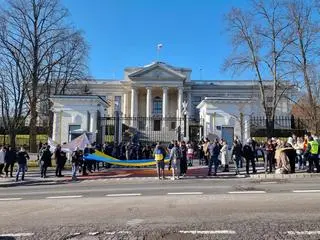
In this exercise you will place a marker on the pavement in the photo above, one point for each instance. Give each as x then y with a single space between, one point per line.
143 174
229 208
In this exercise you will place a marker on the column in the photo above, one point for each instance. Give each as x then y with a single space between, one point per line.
133 107
189 107
93 125
56 124
125 104
246 128
148 107
180 99
164 106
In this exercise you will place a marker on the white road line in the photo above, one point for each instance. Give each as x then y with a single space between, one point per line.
63 197
185 193
93 233
10 199
16 234
268 182
304 233
124 232
248 192
119 232
306 191
209 232
123 194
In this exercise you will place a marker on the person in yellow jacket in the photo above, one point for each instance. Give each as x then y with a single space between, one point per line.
159 156
313 152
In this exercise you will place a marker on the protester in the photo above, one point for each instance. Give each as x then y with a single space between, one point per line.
175 157
214 151
10 159
2 158
159 156
237 153
248 154
77 158
224 156
270 149
61 158
299 146
190 153
291 154
22 163
206 151
45 161
183 160
313 152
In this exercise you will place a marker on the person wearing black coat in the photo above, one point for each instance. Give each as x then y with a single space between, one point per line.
22 163
10 159
45 161
183 161
291 154
248 154
61 159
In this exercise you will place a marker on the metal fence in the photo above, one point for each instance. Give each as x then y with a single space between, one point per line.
147 130
283 126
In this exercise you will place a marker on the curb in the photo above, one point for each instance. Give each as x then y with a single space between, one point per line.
30 182
285 176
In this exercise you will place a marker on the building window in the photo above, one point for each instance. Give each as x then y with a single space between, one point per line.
173 125
157 125
157 105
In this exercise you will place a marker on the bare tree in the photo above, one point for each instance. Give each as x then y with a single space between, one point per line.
12 95
260 38
306 51
41 28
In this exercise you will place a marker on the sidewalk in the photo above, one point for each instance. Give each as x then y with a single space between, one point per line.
32 177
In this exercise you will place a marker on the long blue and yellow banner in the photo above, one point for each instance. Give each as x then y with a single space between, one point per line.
101 157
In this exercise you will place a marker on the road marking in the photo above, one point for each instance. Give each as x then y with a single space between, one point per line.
93 233
304 233
10 199
123 195
248 192
16 234
209 232
185 193
119 232
306 191
268 182
124 232
62 197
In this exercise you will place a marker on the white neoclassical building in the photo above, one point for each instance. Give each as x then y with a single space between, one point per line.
160 102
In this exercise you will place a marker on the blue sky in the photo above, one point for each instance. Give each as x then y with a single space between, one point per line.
124 33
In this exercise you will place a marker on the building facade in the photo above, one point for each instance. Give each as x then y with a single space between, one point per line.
161 102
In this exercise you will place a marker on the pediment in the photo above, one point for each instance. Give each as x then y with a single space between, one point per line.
157 72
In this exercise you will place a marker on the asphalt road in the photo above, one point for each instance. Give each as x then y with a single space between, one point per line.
185 209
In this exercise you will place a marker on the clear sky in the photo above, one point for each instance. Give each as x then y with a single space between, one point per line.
123 33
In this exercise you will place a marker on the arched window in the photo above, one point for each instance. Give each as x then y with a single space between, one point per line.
157 105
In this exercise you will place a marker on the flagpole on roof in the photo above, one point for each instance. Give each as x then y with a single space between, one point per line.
159 46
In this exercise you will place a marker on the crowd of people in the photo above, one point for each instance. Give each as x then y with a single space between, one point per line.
8 157
281 156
